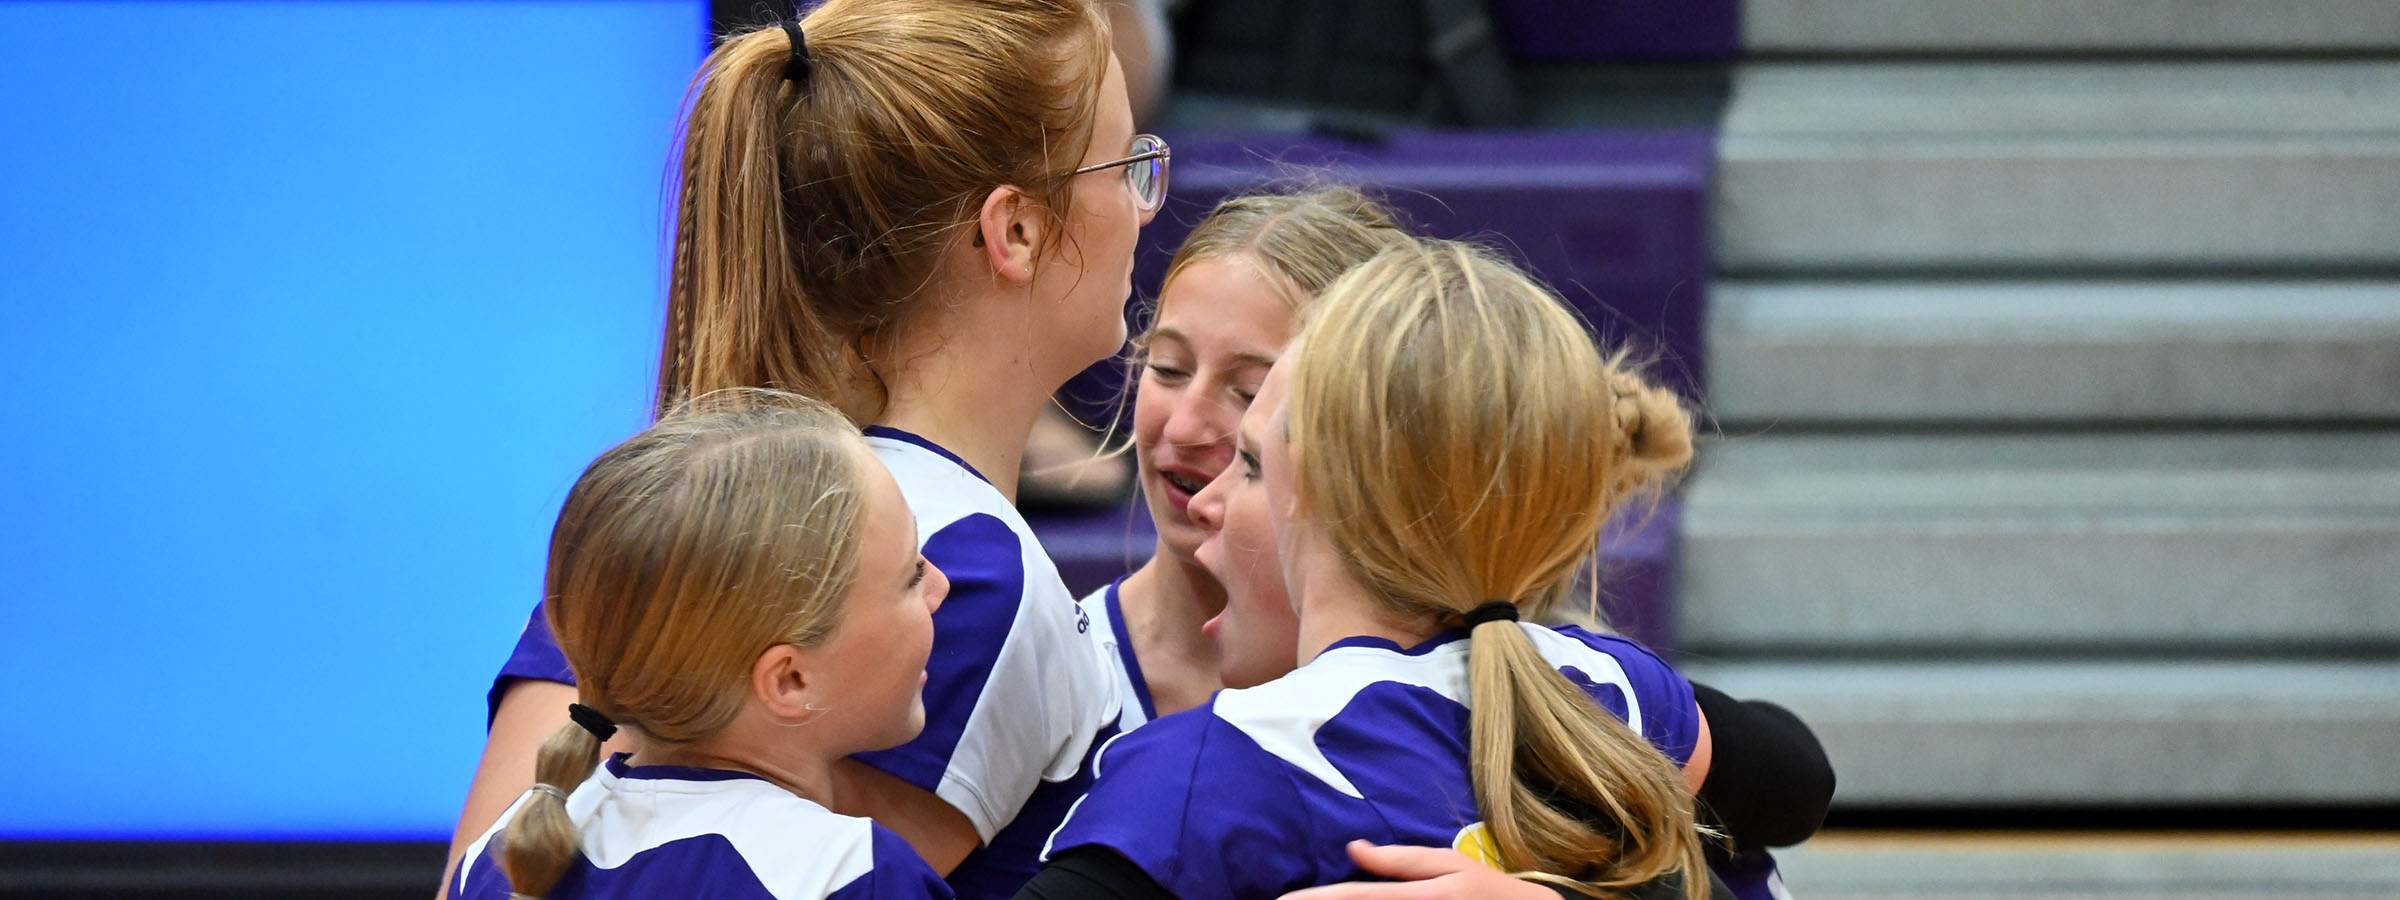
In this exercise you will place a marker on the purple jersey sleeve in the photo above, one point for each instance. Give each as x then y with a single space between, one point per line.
899 874
1207 813
986 568
535 657
1670 714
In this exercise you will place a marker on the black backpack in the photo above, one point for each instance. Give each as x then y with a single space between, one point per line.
1427 61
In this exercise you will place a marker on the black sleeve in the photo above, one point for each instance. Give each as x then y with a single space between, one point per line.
1092 873
1667 888
1768 780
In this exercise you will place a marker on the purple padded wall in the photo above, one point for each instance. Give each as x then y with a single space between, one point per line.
1616 221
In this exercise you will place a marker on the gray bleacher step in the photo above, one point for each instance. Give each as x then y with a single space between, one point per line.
1784 352
1930 734
1887 865
2068 26
2285 540
2056 166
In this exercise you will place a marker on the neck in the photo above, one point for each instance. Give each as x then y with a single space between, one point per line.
1174 593
810 778
970 386
1334 606
1164 604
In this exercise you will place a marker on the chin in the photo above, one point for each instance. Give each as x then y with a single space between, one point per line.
1245 675
1180 550
915 725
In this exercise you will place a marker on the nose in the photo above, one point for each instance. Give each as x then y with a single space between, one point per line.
1207 508
1198 420
937 586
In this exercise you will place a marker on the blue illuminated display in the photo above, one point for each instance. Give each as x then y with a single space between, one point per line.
313 310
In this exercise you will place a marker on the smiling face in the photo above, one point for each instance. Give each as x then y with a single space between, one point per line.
1090 269
872 665
1221 323
1244 510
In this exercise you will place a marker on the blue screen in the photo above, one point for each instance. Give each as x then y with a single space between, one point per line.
313 311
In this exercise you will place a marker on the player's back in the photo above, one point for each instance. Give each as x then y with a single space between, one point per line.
666 831
1258 792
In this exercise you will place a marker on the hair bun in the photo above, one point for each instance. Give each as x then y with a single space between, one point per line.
1656 431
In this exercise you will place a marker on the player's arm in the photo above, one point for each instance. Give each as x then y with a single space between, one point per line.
1440 873
1763 778
1092 872
937 830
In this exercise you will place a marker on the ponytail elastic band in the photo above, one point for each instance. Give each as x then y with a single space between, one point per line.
592 721
1495 611
796 68
550 789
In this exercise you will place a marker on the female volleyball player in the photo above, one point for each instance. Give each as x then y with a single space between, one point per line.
740 584
1231 298
923 212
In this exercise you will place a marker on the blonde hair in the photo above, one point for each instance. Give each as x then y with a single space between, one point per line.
729 527
812 212
1461 440
1304 239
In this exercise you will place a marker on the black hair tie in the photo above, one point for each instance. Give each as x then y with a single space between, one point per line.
1495 611
592 721
796 69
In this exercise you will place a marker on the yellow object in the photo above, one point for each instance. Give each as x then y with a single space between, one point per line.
1476 841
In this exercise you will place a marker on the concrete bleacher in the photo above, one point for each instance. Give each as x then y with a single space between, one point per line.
2055 354
2085 865
2056 27
1920 351
2034 165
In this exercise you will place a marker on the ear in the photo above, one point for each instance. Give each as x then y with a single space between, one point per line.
781 682
1010 228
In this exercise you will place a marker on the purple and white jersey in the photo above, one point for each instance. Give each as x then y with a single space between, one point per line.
671 831
1107 615
1257 792
1016 699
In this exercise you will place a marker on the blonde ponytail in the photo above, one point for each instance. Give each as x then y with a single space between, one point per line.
541 842
729 526
1460 440
1548 765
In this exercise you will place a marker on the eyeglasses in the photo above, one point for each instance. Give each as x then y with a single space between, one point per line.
1145 171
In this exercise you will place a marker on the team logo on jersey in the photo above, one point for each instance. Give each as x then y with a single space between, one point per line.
1083 621
1476 841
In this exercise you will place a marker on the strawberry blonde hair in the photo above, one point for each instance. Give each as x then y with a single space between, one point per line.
816 200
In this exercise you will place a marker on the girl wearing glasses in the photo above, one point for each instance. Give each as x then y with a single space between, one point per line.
922 212
740 583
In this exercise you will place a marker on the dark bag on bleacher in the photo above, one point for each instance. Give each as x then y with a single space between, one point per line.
1430 61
